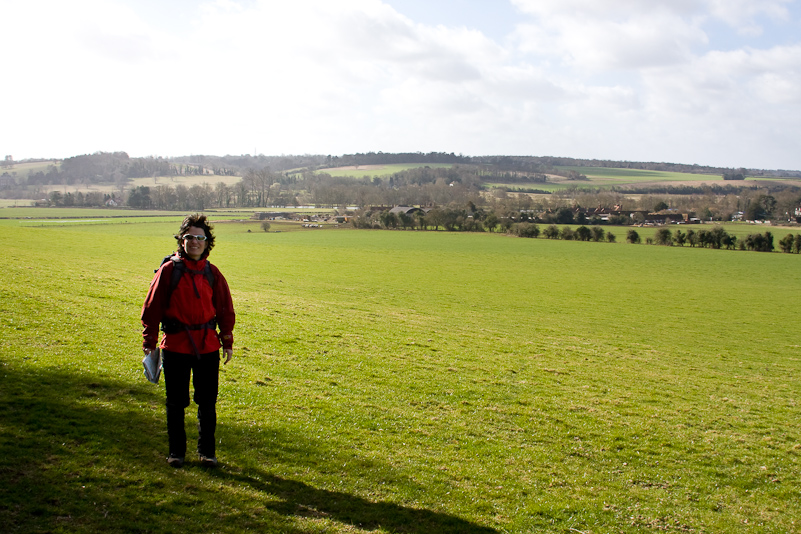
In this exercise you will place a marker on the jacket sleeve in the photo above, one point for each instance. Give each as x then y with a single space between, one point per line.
224 308
153 308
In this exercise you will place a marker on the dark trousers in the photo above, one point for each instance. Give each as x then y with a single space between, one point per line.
205 380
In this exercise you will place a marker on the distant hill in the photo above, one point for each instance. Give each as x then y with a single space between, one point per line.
104 167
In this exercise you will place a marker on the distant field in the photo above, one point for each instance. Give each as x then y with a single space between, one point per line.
361 171
639 175
415 382
172 181
78 213
608 177
14 202
189 181
23 169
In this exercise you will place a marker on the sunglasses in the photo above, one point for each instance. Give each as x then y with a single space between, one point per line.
190 237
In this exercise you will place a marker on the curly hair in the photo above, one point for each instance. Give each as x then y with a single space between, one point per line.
198 221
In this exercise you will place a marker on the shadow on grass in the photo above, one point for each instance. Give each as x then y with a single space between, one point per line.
80 453
299 499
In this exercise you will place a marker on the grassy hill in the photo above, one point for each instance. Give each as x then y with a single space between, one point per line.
605 177
23 169
597 177
407 382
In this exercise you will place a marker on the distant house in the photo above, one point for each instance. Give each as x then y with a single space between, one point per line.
264 215
666 218
605 213
662 217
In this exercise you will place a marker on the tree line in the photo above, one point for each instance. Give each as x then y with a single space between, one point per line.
473 219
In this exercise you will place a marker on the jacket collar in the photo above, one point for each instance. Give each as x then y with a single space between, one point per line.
195 265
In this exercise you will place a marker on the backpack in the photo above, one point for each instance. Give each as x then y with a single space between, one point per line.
171 325
178 270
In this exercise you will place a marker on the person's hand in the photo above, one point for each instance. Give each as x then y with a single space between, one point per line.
146 350
228 354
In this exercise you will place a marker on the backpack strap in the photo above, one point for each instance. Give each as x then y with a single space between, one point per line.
178 270
209 274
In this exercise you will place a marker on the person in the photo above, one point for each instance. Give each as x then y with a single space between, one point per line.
190 304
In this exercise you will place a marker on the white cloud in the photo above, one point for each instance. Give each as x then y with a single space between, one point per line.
621 79
756 78
631 34
743 103
637 42
610 9
744 14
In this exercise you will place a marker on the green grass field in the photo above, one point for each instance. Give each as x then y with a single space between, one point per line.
605 177
15 202
608 177
24 169
628 176
408 382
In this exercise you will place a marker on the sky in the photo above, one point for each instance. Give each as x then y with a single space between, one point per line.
707 82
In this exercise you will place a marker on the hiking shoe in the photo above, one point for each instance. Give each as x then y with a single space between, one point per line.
175 461
208 461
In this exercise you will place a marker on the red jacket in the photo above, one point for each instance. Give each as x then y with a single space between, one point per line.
190 309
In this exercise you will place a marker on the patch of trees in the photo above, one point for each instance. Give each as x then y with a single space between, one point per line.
761 208
790 244
139 197
101 167
530 190
735 175
52 176
715 238
758 242
111 167
704 189
471 218
718 238
93 199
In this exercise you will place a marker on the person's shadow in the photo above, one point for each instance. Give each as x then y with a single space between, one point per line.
59 421
299 499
